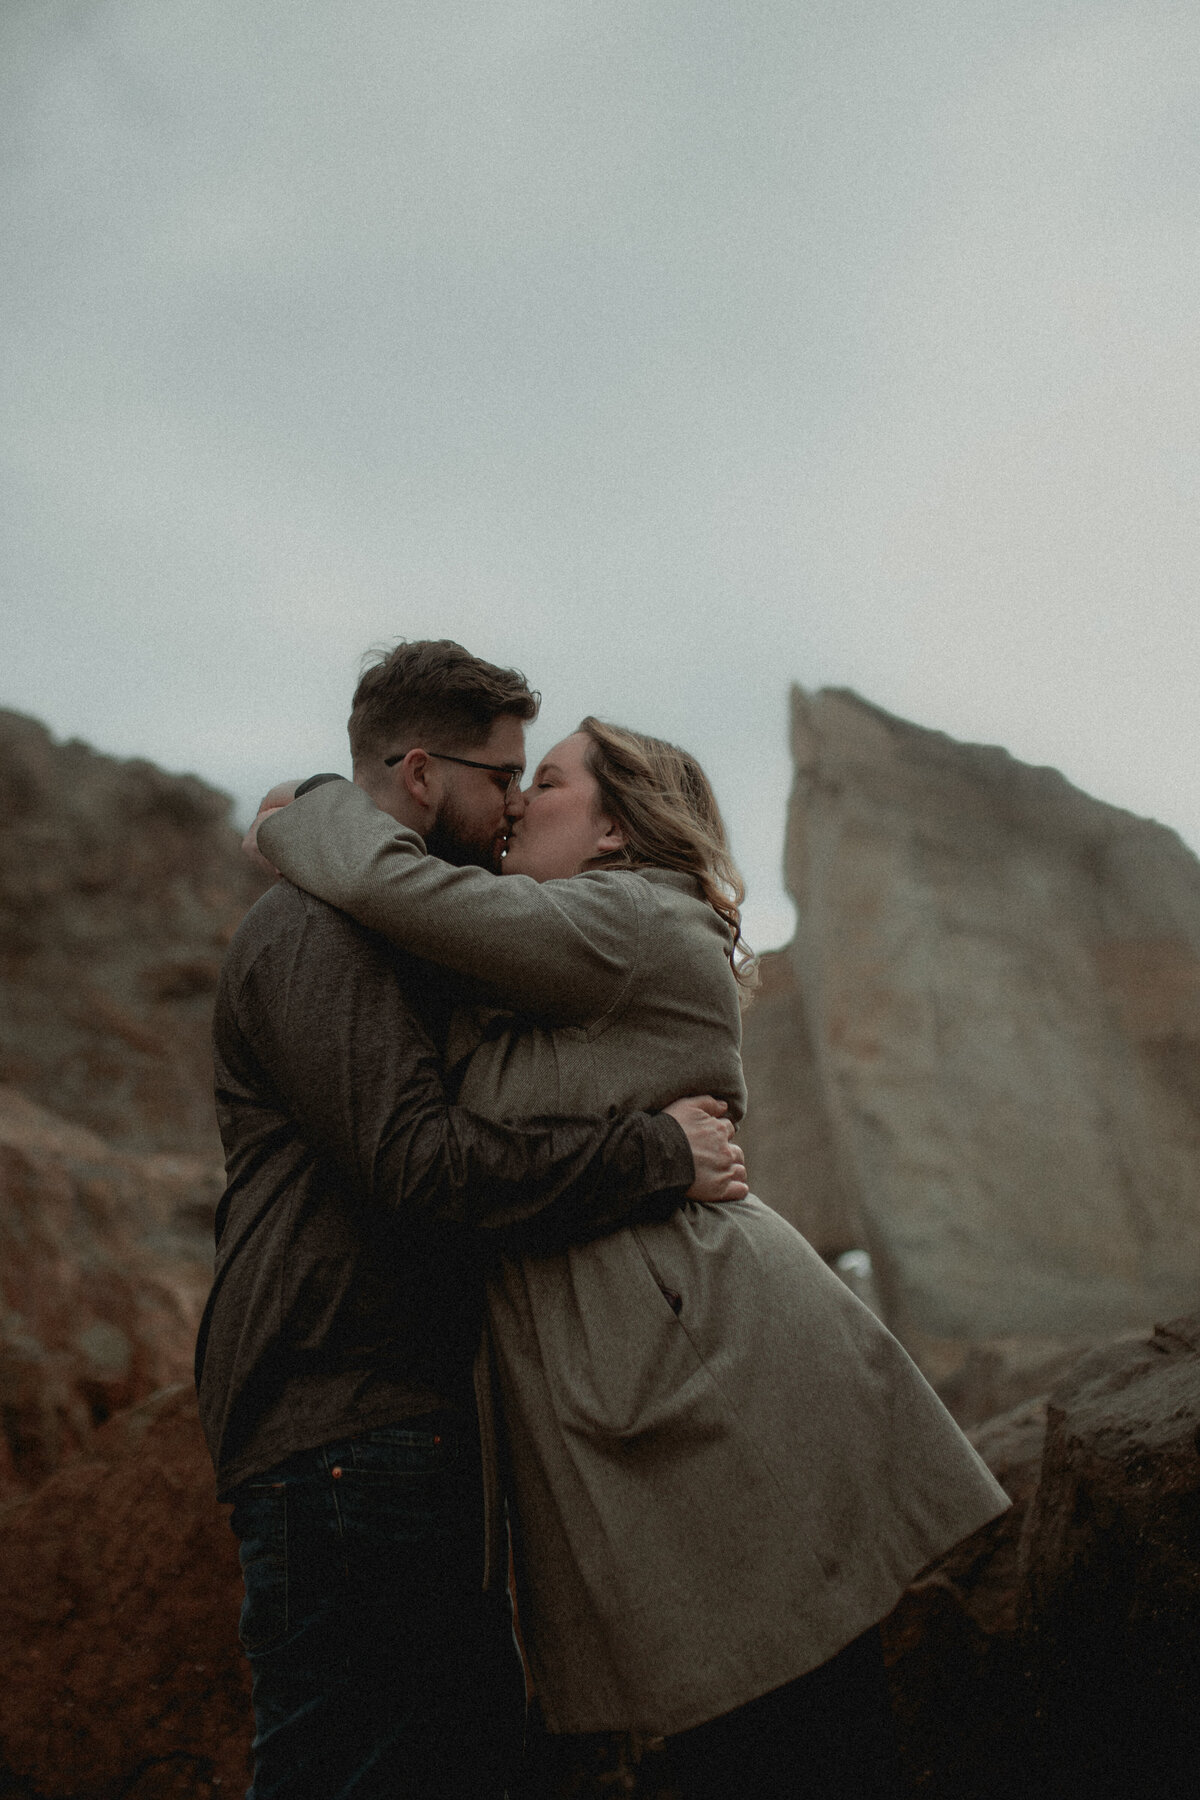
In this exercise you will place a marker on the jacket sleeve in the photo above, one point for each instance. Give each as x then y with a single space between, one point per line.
353 1068
565 951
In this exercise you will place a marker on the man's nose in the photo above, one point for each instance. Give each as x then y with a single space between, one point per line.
514 806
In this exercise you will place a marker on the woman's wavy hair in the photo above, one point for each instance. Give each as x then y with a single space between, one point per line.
662 800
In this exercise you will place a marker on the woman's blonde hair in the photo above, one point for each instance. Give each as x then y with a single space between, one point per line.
662 800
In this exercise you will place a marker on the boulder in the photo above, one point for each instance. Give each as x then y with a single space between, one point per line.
958 1654
105 1264
1056 1654
119 1598
1112 1573
120 886
989 1019
999 1375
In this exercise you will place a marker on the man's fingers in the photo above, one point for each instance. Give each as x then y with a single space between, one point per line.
719 1166
733 1187
282 794
702 1102
251 851
724 1148
733 1164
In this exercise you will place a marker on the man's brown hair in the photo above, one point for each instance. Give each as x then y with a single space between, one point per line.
434 694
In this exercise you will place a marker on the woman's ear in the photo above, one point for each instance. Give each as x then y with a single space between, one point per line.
612 837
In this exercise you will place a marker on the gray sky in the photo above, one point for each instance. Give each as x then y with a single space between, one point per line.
670 350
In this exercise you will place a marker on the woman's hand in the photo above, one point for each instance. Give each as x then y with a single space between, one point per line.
719 1165
282 794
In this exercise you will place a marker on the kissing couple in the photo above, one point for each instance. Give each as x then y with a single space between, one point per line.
489 1280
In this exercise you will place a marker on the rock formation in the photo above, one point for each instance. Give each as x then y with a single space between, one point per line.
105 1263
979 1059
119 888
119 1597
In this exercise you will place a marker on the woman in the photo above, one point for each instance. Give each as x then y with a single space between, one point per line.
725 1470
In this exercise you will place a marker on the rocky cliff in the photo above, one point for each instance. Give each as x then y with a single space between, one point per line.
979 1059
119 888
105 1264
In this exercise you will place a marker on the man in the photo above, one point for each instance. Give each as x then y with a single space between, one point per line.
335 1356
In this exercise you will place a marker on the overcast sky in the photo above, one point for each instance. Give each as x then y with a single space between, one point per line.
671 350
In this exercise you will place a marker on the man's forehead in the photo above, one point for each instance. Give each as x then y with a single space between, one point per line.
507 740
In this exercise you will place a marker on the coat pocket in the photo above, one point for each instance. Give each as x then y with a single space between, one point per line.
671 1295
604 1338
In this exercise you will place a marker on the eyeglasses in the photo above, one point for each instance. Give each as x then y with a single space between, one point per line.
514 774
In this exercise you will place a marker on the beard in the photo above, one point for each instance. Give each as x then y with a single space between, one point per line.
451 838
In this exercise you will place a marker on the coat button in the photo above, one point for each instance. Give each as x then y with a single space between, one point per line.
336 1473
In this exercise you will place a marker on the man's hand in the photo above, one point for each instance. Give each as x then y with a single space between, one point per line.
720 1169
282 794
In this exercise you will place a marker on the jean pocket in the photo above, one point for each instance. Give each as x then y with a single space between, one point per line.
260 1523
404 1450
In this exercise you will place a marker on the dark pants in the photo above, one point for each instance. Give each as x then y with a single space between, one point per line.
827 1736
381 1670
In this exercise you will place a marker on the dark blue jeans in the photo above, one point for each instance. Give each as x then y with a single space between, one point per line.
381 1669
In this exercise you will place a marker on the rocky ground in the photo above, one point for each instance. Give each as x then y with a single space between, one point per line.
1054 1656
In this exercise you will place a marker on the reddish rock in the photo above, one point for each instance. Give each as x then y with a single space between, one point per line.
120 886
105 1263
119 1596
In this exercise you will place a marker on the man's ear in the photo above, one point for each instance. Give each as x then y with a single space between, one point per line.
417 776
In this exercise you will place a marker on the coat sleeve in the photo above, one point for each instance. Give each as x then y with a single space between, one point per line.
564 950
360 1078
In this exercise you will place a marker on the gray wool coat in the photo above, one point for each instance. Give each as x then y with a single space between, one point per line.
723 1467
